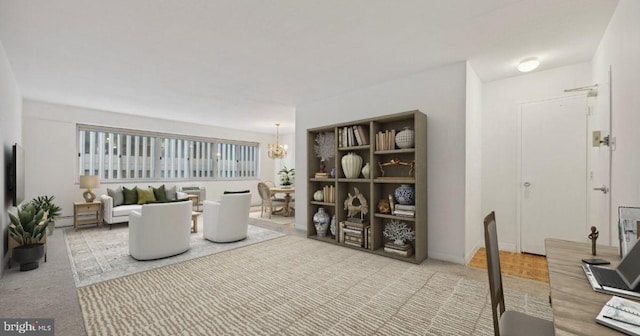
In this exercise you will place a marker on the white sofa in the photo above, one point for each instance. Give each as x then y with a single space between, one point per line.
227 220
160 230
120 213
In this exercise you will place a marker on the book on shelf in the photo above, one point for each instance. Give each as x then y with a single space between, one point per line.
621 314
401 253
406 213
341 232
364 134
350 231
405 207
321 175
328 193
350 243
366 237
357 135
403 247
355 239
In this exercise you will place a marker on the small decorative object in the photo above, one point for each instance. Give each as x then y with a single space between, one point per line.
396 162
398 232
383 206
405 194
321 222
89 182
353 209
333 172
593 236
365 170
351 165
332 226
405 138
324 148
318 195
287 176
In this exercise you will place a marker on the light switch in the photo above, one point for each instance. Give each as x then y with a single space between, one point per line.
596 138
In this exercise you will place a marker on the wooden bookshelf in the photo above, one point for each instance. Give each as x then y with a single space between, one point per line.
375 187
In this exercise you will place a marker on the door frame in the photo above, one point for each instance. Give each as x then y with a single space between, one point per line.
519 163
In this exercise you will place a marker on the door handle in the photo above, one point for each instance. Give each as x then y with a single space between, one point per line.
604 189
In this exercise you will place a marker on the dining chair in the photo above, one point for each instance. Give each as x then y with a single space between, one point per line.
268 203
507 322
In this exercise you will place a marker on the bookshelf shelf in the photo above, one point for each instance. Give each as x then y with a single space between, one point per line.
373 140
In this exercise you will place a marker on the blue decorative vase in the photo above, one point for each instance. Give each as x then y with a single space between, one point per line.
321 221
405 194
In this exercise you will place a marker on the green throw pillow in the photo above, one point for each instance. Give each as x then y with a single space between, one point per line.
145 196
130 195
160 194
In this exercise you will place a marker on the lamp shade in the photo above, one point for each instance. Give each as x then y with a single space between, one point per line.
89 181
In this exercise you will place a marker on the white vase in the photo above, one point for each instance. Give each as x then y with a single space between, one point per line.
318 196
351 165
366 170
405 138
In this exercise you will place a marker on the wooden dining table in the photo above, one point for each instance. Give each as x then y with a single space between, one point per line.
575 305
286 210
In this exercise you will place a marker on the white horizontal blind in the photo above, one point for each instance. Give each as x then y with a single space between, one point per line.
116 154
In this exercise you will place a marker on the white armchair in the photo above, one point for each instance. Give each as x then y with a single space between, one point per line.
227 220
160 230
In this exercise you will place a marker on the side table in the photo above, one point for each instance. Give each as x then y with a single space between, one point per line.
86 208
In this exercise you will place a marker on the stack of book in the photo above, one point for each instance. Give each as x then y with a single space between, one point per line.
404 210
354 232
356 135
322 175
329 193
405 250
386 140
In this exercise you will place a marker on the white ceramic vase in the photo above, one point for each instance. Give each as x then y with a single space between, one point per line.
351 165
366 170
405 138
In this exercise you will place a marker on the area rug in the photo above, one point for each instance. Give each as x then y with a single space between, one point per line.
296 286
277 219
99 254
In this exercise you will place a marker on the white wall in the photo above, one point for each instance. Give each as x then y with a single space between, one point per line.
473 174
620 50
51 151
500 100
10 133
440 94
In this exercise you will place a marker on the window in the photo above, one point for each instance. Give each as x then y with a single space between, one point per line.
119 154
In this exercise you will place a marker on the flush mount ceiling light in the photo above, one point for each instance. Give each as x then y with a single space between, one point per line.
528 64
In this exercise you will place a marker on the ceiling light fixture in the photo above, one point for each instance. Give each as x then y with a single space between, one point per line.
277 151
528 64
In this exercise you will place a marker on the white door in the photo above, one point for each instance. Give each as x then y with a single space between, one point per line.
599 167
553 163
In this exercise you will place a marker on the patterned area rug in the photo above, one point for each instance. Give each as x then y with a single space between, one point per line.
99 254
296 286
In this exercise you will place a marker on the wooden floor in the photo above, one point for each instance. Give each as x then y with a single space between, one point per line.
523 265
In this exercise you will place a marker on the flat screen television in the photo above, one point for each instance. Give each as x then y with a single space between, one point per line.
16 175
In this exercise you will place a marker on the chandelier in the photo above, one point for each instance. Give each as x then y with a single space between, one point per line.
277 151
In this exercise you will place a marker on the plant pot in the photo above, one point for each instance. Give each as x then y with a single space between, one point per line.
28 256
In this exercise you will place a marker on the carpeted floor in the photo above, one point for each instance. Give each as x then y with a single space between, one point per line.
99 254
293 285
276 219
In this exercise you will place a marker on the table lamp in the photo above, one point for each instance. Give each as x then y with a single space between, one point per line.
88 182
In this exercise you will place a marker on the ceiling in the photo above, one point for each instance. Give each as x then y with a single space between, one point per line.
247 64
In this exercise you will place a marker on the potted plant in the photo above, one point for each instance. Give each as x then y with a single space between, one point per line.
28 228
51 211
287 176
